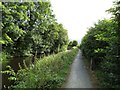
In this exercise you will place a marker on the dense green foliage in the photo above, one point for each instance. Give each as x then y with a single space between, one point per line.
48 72
97 40
101 44
72 44
31 28
3 57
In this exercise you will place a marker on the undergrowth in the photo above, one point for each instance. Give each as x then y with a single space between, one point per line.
48 72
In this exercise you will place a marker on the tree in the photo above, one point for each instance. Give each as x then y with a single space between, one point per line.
31 28
100 45
74 43
97 40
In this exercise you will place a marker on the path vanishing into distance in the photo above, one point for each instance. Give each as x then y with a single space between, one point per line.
79 77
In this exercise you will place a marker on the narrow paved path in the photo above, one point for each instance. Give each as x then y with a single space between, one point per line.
79 77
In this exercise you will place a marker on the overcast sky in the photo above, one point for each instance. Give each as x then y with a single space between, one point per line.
78 15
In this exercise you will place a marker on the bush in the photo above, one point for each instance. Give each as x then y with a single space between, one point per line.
49 72
100 46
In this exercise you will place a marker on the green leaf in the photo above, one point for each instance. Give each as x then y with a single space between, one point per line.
2 41
8 38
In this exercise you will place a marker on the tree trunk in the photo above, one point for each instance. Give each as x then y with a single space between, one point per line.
34 56
92 64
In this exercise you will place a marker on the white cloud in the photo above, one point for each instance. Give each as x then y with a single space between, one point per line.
78 15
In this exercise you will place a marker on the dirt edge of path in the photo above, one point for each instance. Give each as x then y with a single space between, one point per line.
69 71
93 77
67 76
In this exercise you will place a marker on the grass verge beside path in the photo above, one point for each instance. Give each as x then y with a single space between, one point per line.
49 72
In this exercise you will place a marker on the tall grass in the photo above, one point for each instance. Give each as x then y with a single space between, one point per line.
48 72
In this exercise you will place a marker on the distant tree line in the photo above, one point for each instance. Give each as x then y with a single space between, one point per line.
72 44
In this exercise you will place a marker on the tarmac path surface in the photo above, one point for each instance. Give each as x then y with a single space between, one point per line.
79 77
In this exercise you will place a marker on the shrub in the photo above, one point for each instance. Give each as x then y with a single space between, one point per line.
48 72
